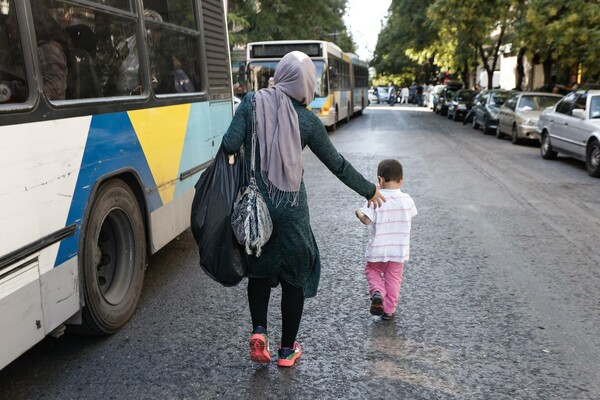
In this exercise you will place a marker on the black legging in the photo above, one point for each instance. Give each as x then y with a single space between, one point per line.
292 304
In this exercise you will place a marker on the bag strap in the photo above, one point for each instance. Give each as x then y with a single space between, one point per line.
254 139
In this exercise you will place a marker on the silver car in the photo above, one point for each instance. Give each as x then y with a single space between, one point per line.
572 127
518 116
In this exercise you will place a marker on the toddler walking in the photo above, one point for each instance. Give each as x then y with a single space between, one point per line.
388 248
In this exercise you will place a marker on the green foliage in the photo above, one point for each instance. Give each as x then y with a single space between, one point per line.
567 31
421 36
461 34
289 20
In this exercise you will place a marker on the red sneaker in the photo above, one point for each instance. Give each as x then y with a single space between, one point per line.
259 346
289 355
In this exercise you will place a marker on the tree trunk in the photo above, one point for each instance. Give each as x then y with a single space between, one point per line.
464 75
486 66
520 69
547 64
485 58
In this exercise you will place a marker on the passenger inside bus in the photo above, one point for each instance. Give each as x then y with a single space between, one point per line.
83 80
12 68
51 51
129 72
167 74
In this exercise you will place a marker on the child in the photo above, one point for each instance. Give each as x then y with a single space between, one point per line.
388 248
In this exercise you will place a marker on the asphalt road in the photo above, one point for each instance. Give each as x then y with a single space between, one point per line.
499 301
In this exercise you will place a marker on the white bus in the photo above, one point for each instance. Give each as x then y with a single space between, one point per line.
359 76
109 112
334 100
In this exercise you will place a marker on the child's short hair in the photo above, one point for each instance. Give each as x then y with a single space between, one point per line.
390 170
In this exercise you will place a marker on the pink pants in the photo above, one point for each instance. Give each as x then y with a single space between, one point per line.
385 278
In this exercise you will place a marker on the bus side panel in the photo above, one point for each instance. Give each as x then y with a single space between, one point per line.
360 99
112 145
206 126
342 99
21 313
60 294
39 166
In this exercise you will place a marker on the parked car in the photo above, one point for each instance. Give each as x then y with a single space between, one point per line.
518 116
372 96
383 94
461 104
487 107
446 96
434 96
572 127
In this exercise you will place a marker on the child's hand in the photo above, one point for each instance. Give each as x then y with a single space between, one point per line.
362 217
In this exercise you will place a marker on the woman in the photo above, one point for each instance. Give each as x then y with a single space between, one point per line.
291 257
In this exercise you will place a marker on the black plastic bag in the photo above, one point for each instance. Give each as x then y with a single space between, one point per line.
221 256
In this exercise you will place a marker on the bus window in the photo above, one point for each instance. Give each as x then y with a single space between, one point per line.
13 83
52 50
322 84
174 53
175 64
176 12
104 54
122 4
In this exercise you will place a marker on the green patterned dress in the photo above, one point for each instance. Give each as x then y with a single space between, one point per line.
291 253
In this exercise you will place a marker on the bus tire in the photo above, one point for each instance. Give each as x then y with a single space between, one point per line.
348 116
114 259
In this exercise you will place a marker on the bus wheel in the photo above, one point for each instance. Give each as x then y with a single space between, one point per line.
114 259
348 116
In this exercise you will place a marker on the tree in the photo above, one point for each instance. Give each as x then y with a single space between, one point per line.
404 44
565 32
289 20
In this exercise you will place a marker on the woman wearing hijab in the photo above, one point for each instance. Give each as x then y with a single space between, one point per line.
290 257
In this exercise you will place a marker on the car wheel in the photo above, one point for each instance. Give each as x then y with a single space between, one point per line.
515 135
449 115
546 150
475 124
592 162
454 116
499 133
486 128
113 256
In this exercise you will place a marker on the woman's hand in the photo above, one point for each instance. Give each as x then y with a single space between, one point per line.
377 200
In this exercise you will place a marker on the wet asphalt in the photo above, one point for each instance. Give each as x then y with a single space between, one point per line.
499 300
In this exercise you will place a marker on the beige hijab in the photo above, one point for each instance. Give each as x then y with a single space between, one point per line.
277 126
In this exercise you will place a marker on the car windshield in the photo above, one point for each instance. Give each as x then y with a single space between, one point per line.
536 103
451 93
466 95
498 98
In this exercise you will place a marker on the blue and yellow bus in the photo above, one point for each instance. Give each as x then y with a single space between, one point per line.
335 98
109 112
